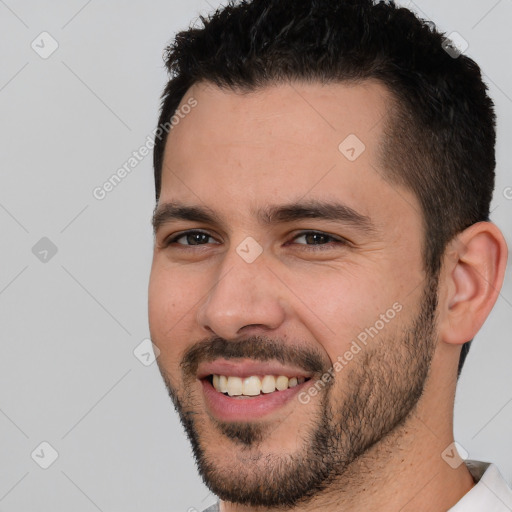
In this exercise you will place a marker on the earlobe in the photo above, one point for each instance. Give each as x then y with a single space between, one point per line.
474 271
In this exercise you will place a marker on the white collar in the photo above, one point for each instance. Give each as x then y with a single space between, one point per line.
491 492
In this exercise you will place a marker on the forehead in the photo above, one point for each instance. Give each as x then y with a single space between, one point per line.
280 143
279 117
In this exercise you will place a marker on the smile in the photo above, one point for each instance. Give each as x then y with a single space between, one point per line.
254 385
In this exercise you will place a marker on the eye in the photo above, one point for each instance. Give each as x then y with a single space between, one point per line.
191 238
317 240
314 240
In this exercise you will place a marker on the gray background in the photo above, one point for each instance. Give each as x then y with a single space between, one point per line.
71 322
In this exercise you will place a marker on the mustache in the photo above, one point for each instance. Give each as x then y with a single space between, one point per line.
258 348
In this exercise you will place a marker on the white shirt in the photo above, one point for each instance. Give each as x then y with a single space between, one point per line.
491 492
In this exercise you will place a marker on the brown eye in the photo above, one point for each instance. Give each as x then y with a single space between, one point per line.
191 238
318 238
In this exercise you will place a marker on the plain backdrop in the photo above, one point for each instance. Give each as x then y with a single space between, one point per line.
74 269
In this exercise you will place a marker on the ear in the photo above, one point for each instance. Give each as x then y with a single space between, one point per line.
471 278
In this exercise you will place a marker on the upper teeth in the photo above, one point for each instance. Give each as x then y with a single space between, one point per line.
252 386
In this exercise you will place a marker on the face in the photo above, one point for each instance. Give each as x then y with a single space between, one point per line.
286 268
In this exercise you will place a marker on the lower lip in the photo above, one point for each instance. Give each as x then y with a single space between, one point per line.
247 408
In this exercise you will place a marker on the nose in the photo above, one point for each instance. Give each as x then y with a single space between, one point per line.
243 296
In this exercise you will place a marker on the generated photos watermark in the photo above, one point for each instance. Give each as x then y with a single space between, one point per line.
356 346
100 192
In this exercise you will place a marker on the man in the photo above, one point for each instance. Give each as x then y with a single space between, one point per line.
323 252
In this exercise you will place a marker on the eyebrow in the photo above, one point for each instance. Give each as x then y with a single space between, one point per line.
268 215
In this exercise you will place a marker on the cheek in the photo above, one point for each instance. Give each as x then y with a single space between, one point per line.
170 310
338 306
171 292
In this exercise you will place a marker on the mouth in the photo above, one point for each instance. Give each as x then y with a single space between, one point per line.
234 398
255 385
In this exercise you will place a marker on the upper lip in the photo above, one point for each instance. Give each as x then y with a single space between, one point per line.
246 368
